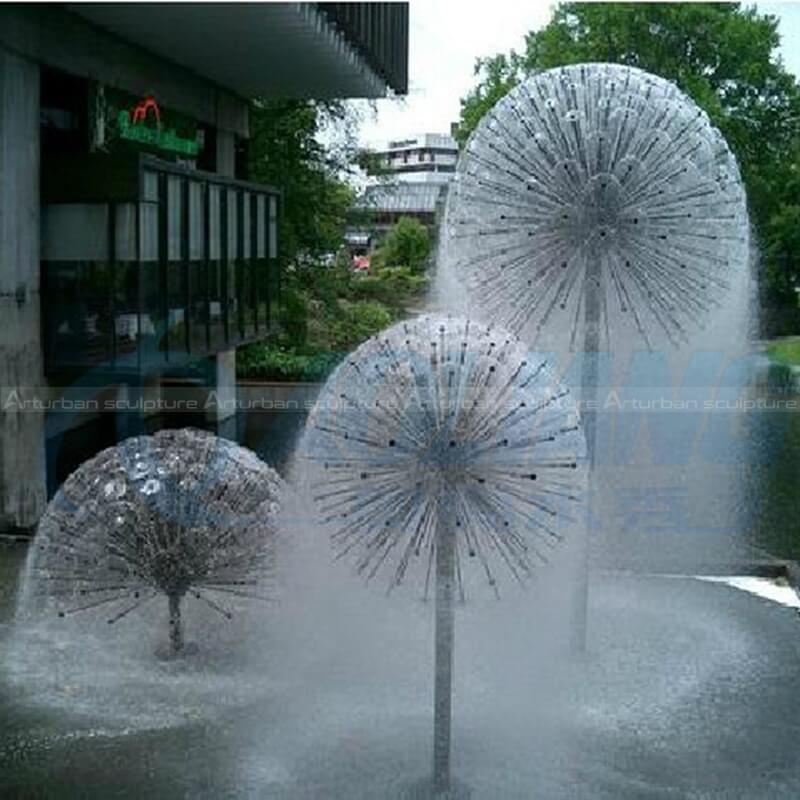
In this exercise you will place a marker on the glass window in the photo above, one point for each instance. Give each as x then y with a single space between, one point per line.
148 231
177 289
216 286
177 275
196 221
174 209
233 218
78 319
230 268
246 230
250 264
152 317
214 227
261 226
273 226
198 298
192 267
261 281
150 186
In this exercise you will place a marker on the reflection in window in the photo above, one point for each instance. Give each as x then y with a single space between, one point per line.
189 267
198 289
216 294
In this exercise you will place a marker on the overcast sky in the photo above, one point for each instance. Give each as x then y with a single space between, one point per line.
447 36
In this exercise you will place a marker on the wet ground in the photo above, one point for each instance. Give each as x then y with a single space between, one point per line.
688 689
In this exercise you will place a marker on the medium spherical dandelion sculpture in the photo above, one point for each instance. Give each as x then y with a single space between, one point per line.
601 198
181 514
438 444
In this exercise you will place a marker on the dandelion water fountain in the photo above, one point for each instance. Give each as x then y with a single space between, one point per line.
597 203
178 514
440 447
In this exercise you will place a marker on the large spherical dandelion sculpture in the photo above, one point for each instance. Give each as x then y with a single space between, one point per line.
601 194
599 198
440 446
178 514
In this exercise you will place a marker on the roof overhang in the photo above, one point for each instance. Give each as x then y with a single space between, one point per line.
253 49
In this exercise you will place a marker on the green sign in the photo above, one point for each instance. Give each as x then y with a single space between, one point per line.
121 121
135 128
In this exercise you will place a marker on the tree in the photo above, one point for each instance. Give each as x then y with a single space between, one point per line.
720 54
407 244
285 151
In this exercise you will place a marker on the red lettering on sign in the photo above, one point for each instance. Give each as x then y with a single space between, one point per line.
141 109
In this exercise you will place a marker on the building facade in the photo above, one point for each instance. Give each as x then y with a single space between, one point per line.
414 178
425 158
134 252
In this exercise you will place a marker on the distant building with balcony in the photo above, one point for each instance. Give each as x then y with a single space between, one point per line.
426 158
382 205
134 251
414 174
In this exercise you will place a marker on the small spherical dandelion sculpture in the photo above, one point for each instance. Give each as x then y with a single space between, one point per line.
438 444
600 194
181 514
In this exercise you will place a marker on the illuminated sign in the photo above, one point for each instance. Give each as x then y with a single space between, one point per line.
133 127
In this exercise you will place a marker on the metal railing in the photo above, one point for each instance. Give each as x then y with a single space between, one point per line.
186 268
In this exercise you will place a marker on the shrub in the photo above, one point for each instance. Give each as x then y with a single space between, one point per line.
273 362
293 317
358 322
392 286
406 244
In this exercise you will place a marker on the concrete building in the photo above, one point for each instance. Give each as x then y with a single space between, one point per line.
425 158
415 173
383 204
134 252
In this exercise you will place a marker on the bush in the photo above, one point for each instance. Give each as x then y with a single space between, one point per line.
326 283
407 244
785 351
293 317
276 363
326 312
392 286
358 322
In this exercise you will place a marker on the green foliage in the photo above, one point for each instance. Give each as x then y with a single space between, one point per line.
286 153
785 351
293 317
782 238
392 286
327 312
373 164
277 363
499 74
326 285
723 56
407 244
313 358
357 323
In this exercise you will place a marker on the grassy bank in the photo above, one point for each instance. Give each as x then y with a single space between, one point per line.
785 351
